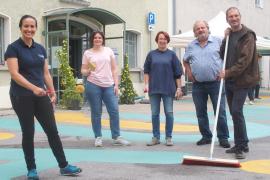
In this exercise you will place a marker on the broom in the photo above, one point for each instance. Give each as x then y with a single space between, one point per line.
196 160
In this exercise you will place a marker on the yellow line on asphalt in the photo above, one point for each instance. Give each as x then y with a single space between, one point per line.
265 97
80 118
257 166
4 136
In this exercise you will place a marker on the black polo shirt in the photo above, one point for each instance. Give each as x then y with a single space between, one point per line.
31 65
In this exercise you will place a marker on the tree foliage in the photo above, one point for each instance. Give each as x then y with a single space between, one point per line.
68 82
127 92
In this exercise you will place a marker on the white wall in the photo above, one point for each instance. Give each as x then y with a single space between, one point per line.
265 69
15 9
134 13
5 101
188 11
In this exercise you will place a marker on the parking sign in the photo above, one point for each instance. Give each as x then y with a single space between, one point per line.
151 18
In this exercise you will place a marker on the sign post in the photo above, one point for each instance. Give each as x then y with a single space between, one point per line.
151 21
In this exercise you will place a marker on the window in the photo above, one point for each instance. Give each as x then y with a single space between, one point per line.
2 45
259 3
131 48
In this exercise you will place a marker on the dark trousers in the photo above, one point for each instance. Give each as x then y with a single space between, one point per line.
236 99
28 107
200 93
251 93
257 90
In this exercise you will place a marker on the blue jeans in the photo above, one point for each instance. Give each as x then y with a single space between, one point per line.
200 93
95 95
155 100
236 99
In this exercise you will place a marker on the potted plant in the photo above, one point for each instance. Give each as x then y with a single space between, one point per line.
71 97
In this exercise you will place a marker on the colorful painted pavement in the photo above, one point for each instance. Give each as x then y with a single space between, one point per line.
76 133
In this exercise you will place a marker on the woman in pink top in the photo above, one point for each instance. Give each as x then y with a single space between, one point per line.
99 65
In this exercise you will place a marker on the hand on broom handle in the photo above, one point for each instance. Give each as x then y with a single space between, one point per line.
219 99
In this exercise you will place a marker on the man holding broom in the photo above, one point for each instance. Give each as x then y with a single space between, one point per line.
241 73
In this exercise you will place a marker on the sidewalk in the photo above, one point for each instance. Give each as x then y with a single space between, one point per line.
5 101
138 161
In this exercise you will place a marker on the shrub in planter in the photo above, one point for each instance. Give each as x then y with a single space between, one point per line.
71 97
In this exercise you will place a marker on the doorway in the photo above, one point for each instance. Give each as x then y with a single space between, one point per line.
75 56
78 36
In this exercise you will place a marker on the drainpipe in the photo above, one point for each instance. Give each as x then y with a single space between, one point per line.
174 16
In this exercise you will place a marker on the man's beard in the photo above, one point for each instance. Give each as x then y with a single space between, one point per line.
202 37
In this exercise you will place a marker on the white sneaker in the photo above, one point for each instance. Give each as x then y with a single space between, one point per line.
98 142
169 141
120 141
245 103
251 102
154 141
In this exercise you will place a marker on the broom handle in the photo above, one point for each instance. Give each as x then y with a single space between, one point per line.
219 99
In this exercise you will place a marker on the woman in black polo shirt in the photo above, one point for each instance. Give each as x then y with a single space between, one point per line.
30 82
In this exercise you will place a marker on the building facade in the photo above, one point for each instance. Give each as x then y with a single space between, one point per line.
124 23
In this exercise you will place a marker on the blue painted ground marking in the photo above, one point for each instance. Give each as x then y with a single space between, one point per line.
13 158
45 158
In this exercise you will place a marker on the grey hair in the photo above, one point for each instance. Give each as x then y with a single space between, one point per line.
198 21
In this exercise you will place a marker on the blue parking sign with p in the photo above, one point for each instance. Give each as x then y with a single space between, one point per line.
151 18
